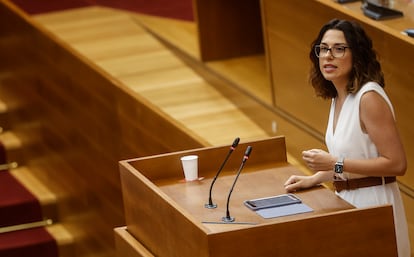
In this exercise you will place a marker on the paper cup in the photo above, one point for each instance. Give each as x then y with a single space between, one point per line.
190 167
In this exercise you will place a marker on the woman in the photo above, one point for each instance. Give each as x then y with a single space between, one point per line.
365 150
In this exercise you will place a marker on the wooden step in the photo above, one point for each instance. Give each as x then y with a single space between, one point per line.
48 203
15 143
3 116
17 204
47 199
35 242
64 240
36 239
13 148
10 108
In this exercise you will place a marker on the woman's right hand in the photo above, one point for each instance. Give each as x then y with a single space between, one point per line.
295 183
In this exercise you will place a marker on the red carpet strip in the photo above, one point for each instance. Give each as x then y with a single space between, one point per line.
35 242
17 204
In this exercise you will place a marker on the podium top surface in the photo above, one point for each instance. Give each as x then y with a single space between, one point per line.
254 182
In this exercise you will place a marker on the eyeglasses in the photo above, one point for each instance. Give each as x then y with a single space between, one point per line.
337 51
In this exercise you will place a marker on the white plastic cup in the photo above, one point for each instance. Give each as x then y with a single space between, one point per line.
190 167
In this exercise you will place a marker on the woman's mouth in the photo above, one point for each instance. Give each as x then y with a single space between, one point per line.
329 67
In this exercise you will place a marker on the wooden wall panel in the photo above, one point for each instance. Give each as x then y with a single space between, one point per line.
228 29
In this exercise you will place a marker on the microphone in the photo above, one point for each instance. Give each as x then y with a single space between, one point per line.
210 204
228 218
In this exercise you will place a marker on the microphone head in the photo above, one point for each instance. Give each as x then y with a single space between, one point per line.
235 142
248 151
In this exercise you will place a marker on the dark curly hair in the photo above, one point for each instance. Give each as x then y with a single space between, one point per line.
365 66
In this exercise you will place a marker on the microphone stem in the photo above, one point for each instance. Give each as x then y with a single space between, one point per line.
228 218
210 201
231 189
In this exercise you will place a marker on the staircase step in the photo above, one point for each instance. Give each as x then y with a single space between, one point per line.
17 204
4 118
34 242
12 147
47 199
20 233
64 239
9 112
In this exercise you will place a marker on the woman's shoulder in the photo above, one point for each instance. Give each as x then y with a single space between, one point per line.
372 94
371 86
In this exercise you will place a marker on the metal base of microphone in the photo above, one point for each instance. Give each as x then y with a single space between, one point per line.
210 205
228 219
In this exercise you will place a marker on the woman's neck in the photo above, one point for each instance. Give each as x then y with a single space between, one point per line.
341 89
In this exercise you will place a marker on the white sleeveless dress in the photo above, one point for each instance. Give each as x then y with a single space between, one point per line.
351 142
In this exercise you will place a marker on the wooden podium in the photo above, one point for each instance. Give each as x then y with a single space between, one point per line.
166 217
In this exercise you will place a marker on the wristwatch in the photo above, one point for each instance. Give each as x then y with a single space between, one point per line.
339 165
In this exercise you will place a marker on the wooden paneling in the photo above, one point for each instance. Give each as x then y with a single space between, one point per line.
127 245
228 29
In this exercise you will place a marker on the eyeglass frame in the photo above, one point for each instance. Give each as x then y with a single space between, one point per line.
329 49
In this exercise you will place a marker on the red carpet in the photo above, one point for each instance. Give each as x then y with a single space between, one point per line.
36 242
176 9
17 204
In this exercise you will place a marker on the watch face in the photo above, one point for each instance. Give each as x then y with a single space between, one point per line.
338 168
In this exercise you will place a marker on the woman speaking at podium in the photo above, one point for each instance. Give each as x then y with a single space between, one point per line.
365 150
